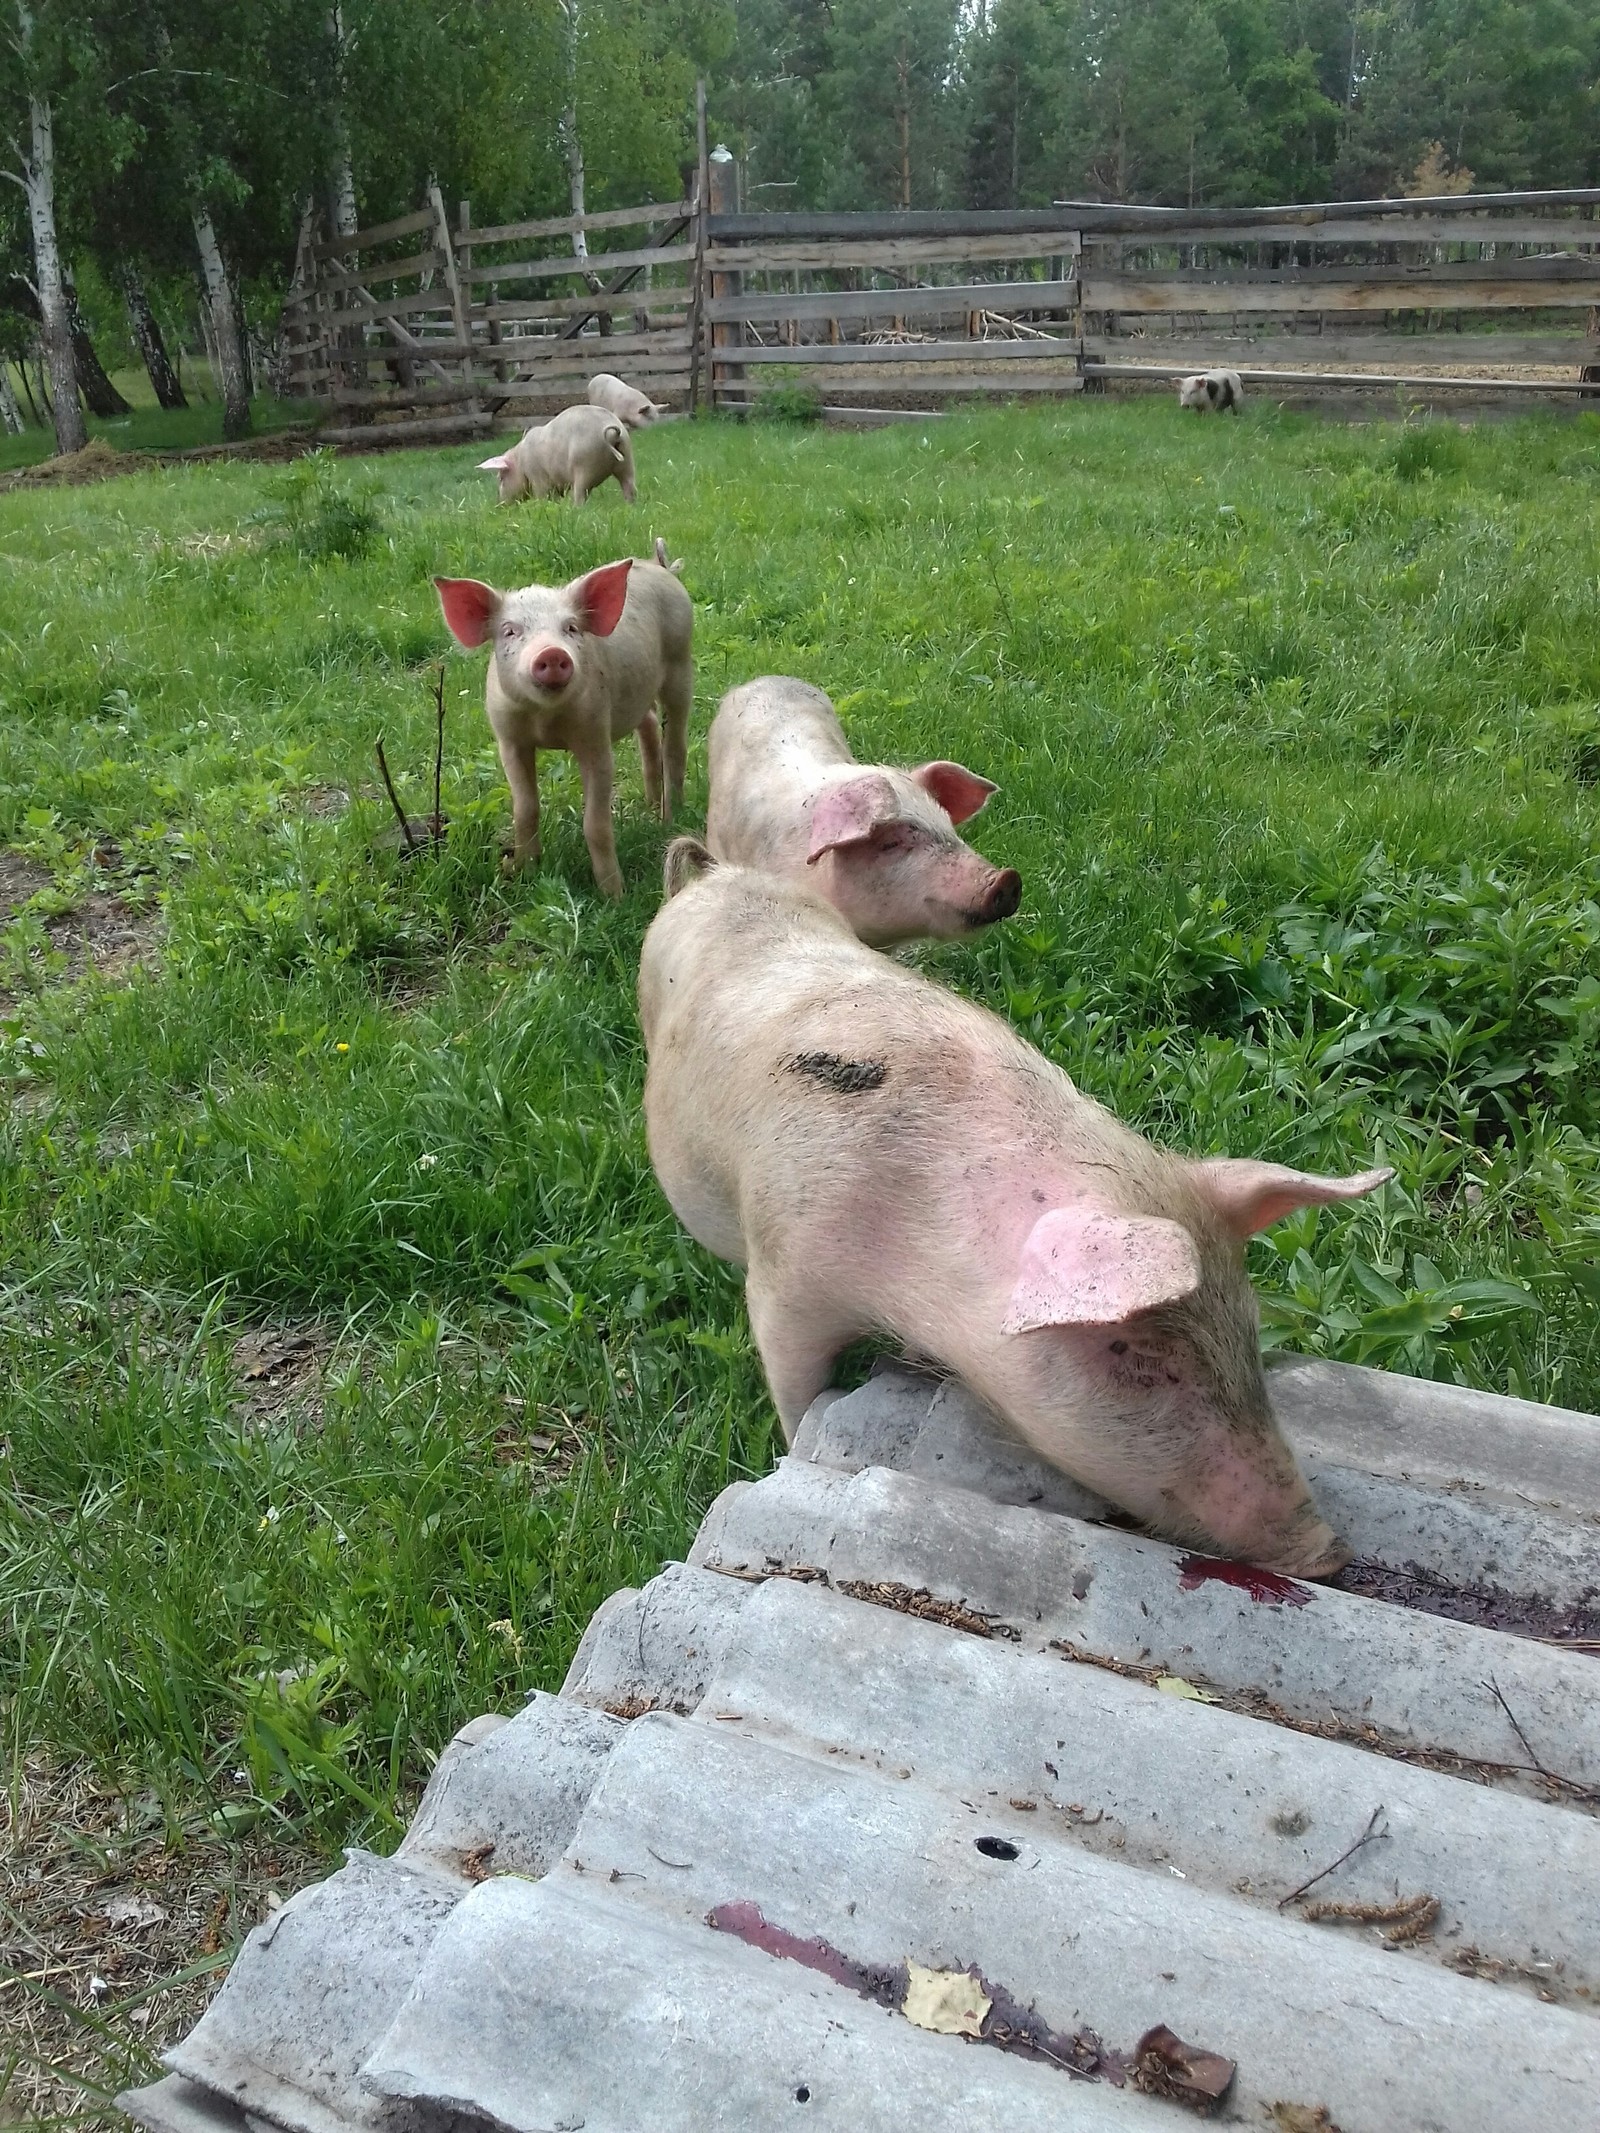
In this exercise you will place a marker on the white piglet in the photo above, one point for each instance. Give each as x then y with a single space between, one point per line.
577 667
885 1157
1209 392
787 795
635 408
573 452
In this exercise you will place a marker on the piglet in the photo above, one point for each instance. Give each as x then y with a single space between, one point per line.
635 408
787 795
574 451
577 667
1210 391
885 1157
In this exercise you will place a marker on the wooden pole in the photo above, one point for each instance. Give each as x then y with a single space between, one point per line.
460 309
702 193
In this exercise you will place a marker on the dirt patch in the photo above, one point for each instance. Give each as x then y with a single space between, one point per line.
1487 1607
100 461
319 803
101 934
102 1910
280 1371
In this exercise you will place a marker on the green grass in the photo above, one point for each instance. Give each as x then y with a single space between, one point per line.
149 428
1297 736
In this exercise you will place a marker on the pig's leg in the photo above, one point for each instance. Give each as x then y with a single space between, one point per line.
797 1345
520 761
627 484
596 769
650 762
579 489
677 700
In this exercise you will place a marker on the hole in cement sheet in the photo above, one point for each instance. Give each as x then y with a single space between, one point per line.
996 1847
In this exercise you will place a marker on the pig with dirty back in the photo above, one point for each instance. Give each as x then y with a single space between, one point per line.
787 795
884 1157
635 408
572 453
578 667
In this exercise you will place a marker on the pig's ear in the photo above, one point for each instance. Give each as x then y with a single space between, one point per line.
500 464
959 792
849 813
1251 1196
602 595
470 607
1086 1266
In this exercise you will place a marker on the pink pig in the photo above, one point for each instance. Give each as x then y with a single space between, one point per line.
885 1157
880 844
578 667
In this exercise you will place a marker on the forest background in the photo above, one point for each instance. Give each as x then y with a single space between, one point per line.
162 157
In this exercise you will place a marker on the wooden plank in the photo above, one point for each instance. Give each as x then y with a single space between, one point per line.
1550 230
481 387
424 432
1004 296
397 307
646 300
807 354
840 255
380 233
1193 351
993 382
658 255
610 218
602 351
370 277
1499 288
1353 377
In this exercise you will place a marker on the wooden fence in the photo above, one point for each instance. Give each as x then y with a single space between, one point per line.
444 328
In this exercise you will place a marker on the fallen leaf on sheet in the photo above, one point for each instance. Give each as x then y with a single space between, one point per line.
1302 2118
1163 2065
953 2002
1175 1685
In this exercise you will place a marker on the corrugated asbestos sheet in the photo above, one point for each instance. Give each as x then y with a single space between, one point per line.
925 1796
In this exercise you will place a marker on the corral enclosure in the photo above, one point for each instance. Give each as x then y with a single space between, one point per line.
450 329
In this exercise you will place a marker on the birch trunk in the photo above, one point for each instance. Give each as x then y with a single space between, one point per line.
572 140
103 398
146 328
234 380
342 213
39 183
10 413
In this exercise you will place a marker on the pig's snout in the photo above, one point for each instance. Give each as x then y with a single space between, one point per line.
551 668
1005 893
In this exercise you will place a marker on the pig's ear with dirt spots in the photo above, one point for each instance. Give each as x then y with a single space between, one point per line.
849 813
960 792
470 607
602 595
1086 1266
1251 1196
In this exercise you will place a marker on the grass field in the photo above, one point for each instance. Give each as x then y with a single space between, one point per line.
350 1355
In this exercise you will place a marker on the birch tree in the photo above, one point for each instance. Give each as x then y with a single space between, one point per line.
31 144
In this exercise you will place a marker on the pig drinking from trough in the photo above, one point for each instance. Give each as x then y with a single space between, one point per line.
635 408
576 450
1210 391
577 667
788 796
885 1157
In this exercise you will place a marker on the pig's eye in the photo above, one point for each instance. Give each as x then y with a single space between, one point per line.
573 628
508 630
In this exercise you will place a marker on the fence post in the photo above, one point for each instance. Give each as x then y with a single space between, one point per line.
460 307
722 198
697 294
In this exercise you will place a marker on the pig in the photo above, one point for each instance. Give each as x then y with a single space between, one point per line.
577 667
880 844
1210 391
885 1157
576 450
635 408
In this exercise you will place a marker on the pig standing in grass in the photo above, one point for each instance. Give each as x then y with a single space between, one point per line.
886 1157
1208 392
635 408
577 667
787 795
576 450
